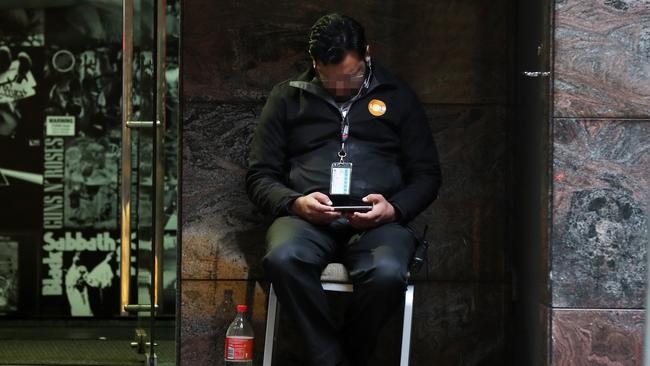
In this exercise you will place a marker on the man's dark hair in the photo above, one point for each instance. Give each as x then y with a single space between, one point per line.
333 35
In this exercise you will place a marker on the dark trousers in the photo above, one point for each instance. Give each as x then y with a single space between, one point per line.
377 260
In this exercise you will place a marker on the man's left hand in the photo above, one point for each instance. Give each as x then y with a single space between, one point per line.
381 213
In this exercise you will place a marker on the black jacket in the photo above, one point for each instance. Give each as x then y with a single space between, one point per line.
298 137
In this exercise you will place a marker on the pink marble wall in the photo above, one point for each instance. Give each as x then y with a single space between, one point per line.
601 58
584 337
601 142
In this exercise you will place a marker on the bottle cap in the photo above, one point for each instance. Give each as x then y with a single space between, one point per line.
241 308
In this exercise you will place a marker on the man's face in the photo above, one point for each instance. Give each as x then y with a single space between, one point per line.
342 80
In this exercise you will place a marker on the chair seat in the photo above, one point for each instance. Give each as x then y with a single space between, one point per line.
335 272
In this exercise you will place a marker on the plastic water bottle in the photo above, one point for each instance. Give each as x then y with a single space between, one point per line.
239 340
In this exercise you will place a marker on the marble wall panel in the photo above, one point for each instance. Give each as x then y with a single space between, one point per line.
597 337
456 54
453 52
223 232
454 324
601 195
208 307
602 58
468 221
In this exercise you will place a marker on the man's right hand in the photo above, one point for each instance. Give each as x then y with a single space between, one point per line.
315 207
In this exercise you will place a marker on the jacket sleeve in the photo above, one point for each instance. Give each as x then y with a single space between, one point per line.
422 174
266 177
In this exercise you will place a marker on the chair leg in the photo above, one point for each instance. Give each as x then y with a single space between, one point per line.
406 329
271 327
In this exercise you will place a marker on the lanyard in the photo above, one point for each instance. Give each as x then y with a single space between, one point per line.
345 125
345 130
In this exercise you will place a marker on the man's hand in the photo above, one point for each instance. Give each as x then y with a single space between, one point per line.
315 207
382 212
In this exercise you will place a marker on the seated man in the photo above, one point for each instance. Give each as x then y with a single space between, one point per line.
344 132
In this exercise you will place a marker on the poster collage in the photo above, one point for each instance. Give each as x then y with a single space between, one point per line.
60 151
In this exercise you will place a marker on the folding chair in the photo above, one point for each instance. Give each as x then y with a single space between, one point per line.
335 278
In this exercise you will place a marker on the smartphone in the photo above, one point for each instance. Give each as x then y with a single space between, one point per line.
364 208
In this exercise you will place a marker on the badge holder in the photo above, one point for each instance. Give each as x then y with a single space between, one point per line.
341 173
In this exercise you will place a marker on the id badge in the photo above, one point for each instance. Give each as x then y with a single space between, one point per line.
340 178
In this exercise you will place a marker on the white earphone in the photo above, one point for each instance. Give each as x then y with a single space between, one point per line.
367 56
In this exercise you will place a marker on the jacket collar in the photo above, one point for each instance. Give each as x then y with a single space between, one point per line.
309 82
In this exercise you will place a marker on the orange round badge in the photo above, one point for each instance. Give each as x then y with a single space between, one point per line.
377 107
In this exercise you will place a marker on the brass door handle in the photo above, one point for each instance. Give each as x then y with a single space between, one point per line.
158 150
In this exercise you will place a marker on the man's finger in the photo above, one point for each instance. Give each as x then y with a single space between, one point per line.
322 198
368 215
373 197
317 206
331 213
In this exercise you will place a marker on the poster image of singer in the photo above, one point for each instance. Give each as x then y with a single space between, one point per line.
91 182
79 279
81 273
87 86
21 132
20 74
8 274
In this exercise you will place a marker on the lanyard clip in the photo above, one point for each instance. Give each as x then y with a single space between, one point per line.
342 153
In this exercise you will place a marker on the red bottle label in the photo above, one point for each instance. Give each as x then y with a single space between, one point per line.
239 348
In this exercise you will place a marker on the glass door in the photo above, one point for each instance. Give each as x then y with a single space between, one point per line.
148 162
88 254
